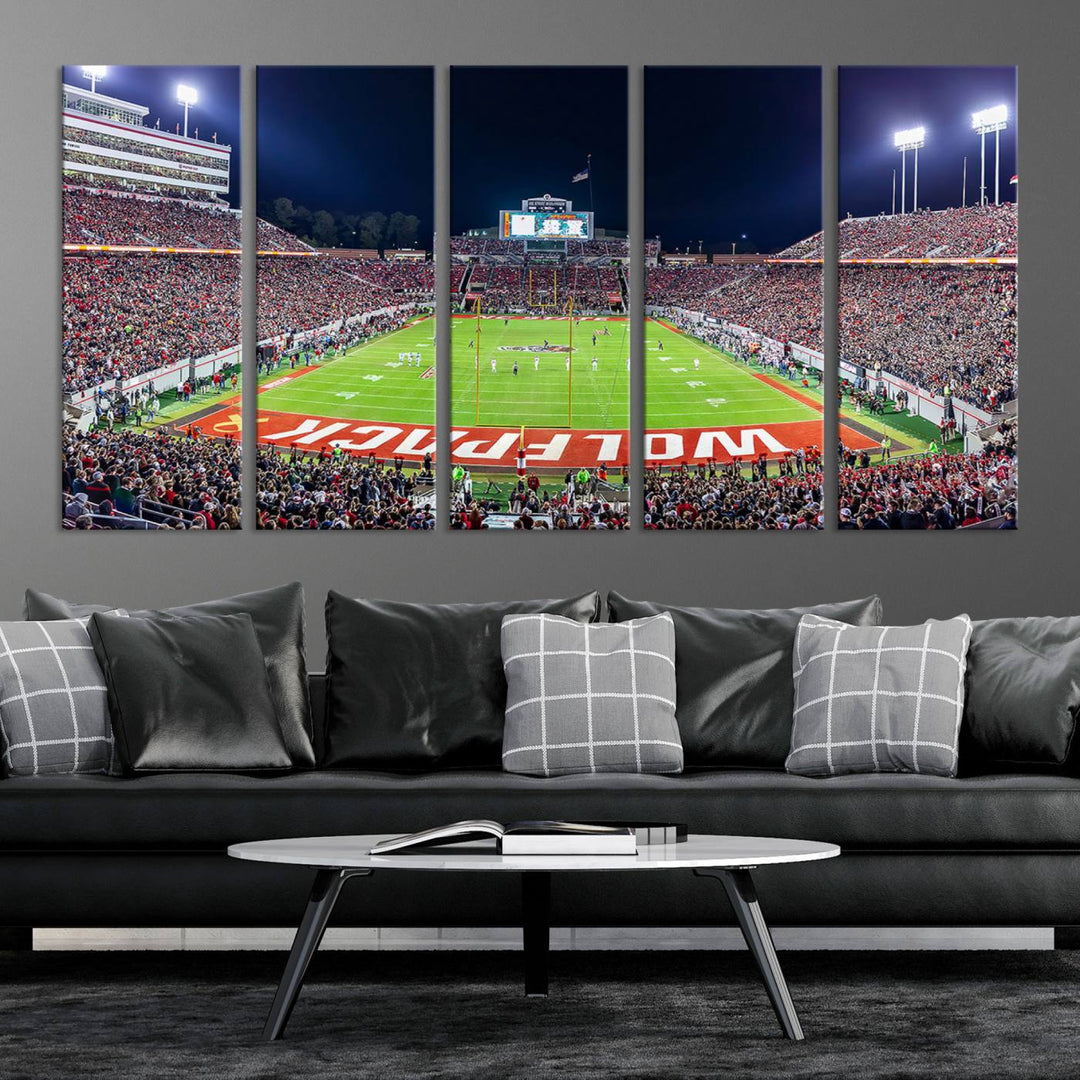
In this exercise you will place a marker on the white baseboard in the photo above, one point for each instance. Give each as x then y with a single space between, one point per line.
433 938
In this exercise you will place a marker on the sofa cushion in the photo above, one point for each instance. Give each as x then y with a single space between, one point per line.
278 615
421 686
188 693
878 698
1023 694
589 697
877 811
733 671
54 717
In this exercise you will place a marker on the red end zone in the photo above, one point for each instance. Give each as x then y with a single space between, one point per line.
551 448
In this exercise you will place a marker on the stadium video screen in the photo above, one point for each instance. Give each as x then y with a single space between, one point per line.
346 298
529 225
733 334
928 298
151 298
540 332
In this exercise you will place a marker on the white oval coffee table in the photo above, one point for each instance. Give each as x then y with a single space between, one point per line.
729 859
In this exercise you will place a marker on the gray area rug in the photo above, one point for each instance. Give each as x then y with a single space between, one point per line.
867 1015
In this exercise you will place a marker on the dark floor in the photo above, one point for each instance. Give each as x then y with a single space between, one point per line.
390 1015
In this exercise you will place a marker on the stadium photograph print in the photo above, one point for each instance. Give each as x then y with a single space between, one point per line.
928 298
540 342
733 304
151 297
346 298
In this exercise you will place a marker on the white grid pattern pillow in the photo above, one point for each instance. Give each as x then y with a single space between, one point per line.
589 697
54 713
878 698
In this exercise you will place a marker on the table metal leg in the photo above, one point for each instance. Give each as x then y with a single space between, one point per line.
740 890
536 927
324 894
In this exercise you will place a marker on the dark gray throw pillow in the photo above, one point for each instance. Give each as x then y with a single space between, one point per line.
54 717
878 698
188 694
415 687
589 698
733 671
278 616
1023 694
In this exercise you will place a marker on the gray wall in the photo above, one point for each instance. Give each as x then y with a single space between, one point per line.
1035 570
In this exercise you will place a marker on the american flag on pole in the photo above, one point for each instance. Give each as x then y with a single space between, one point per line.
583 175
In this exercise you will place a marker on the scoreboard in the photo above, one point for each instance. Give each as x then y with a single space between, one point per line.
544 225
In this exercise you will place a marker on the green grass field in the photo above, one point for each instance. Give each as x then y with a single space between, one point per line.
721 391
367 383
541 397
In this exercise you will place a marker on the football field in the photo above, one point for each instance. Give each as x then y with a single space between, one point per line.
373 400
701 404
544 393
370 382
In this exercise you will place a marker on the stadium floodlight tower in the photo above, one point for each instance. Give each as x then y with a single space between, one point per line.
93 72
911 139
992 121
187 96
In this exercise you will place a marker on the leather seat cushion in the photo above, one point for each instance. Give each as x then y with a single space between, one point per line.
209 811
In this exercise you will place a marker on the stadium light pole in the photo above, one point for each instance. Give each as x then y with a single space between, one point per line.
909 139
93 73
186 96
992 121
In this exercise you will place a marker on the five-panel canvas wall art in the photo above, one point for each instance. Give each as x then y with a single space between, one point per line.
739 346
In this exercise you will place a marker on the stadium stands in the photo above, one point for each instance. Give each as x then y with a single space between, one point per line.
959 232
99 217
934 326
781 302
934 491
723 497
128 314
125 479
327 491
303 294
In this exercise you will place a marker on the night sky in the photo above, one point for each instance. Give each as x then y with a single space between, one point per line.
218 107
876 102
348 139
522 131
732 154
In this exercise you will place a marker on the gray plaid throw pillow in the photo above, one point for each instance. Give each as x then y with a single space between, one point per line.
589 697
878 698
54 715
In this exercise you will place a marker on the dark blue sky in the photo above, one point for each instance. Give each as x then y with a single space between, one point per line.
348 139
877 101
218 108
522 131
732 151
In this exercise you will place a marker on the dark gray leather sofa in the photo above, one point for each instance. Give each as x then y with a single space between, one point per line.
918 850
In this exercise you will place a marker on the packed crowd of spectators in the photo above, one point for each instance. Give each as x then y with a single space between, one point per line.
960 232
93 217
476 246
302 294
781 302
165 151
675 285
172 481
725 497
271 238
935 326
936 491
536 289
335 490
585 499
127 314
